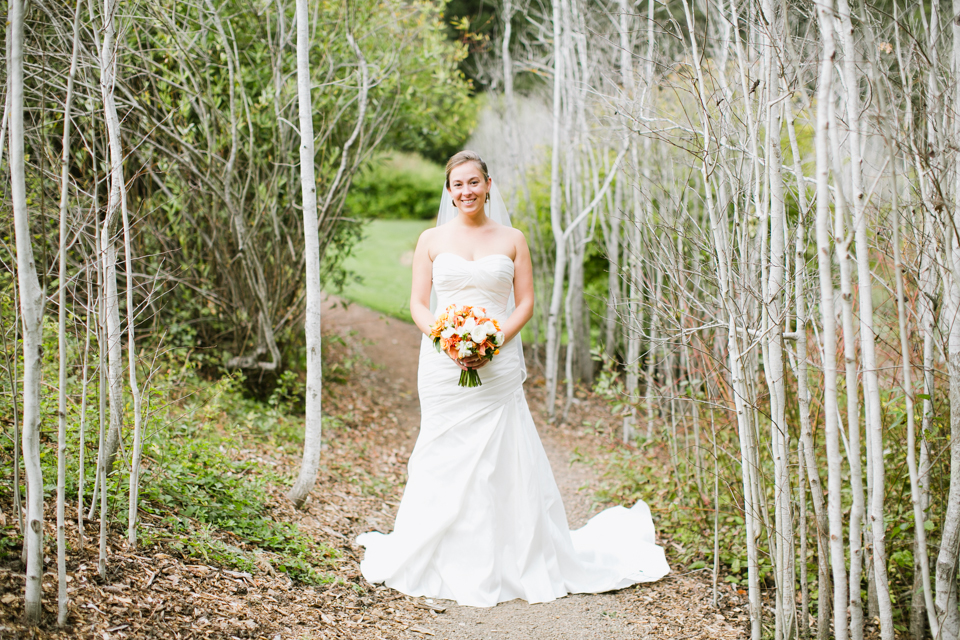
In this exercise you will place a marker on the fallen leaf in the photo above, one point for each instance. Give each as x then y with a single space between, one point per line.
333 533
423 630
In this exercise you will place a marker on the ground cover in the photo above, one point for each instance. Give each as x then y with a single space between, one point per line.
203 575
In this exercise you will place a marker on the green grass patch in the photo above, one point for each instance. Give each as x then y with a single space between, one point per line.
382 262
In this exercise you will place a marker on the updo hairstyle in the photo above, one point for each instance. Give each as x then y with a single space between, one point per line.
464 157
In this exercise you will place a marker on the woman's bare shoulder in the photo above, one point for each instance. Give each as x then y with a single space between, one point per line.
515 236
428 237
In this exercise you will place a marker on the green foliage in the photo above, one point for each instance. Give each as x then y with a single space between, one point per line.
397 186
661 477
205 490
681 513
208 97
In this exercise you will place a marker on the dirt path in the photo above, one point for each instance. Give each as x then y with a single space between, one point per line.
679 606
162 591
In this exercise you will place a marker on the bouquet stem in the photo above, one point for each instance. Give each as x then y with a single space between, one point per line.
470 378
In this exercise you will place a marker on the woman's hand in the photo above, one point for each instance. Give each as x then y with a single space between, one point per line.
471 362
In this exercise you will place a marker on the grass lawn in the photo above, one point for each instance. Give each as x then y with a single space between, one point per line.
382 262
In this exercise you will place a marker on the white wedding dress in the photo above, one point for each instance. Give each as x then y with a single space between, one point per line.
481 520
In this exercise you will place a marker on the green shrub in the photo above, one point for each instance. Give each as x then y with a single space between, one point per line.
397 186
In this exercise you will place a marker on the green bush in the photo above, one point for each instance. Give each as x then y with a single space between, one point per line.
204 492
397 186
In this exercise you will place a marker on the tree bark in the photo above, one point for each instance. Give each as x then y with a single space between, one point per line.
556 219
834 480
946 581
62 332
116 201
308 189
31 313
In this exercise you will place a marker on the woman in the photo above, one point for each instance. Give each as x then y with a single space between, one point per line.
481 520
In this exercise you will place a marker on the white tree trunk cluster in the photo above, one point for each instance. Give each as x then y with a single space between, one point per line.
783 205
97 240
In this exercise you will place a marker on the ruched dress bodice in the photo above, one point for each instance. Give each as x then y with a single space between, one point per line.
481 520
487 283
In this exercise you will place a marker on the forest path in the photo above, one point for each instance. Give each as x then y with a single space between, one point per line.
679 606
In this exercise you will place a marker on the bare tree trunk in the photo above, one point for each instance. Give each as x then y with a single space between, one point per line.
11 366
842 239
31 305
806 451
314 416
556 219
312 439
651 393
834 480
946 575
612 233
134 487
111 396
867 336
62 395
946 582
82 447
773 362
804 626
12 362
650 399
920 532
116 201
135 457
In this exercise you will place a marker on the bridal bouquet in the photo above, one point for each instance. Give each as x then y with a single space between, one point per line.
464 331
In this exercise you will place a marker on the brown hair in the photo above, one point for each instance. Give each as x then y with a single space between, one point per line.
463 157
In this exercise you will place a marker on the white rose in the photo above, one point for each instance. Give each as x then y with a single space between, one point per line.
469 323
489 328
447 333
465 349
498 338
479 333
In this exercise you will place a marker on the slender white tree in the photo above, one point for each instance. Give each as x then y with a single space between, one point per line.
825 17
556 214
62 395
116 201
946 581
108 256
308 183
31 313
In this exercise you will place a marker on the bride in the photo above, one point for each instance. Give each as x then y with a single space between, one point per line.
481 520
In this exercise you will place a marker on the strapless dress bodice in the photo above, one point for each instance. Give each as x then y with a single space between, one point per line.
485 282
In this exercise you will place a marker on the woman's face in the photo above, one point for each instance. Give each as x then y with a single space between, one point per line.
468 188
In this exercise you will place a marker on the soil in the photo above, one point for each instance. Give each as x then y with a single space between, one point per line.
157 593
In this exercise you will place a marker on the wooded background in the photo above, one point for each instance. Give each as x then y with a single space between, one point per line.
743 218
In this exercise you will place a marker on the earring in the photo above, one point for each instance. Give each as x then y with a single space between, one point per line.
488 197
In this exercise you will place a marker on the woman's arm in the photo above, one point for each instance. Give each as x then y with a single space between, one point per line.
422 282
522 289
